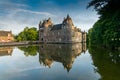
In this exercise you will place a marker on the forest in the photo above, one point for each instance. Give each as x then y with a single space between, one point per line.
106 31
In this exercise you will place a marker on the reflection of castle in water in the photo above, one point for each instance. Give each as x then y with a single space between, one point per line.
63 53
5 51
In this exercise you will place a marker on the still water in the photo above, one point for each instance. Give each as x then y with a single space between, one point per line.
59 62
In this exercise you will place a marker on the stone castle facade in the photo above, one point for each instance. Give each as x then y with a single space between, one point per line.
65 32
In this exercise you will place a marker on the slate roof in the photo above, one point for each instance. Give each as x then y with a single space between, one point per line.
4 33
57 27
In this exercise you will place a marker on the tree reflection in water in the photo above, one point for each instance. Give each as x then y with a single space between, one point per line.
29 50
107 62
103 63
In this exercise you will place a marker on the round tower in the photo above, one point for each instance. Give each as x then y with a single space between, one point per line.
68 22
41 31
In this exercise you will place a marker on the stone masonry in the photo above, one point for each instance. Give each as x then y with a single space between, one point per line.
65 32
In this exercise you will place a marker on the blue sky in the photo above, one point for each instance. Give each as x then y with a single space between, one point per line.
17 14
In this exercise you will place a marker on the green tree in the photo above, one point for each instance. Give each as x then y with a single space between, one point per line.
28 34
106 31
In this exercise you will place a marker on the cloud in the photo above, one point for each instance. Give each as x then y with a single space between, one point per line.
11 6
16 18
35 12
85 20
15 64
8 3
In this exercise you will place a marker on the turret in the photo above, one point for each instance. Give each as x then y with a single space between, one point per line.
41 31
47 23
49 19
68 17
40 24
44 27
68 20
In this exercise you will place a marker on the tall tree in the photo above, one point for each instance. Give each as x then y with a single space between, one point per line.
28 34
107 28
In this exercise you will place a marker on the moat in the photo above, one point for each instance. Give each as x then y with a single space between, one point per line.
59 62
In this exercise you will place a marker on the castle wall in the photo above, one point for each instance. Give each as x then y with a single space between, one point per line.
63 36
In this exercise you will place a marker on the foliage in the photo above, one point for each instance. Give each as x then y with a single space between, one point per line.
106 31
28 34
29 50
106 61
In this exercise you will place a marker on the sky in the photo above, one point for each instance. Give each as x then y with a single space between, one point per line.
15 15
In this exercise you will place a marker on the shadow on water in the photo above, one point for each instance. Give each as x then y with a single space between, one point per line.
107 62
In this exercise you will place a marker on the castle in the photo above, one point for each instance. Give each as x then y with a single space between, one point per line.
65 32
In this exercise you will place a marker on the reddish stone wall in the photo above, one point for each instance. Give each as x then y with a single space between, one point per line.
8 38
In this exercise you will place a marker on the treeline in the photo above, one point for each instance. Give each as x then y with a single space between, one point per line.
106 31
28 34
